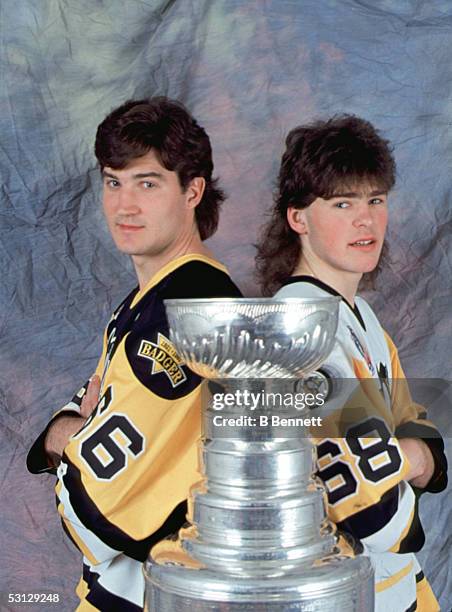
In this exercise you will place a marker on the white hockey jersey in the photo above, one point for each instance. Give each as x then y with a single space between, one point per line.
362 463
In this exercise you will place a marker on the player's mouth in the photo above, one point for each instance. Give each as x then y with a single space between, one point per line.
126 227
364 244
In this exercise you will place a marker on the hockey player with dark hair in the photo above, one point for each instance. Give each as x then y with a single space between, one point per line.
326 231
125 448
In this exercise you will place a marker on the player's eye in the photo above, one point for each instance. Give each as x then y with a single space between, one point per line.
112 183
341 204
148 184
374 201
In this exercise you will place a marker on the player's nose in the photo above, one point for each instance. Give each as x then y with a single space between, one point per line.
127 203
363 215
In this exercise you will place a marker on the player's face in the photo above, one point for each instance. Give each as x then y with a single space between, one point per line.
148 213
345 233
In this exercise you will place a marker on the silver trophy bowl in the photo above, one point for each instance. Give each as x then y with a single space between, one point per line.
253 338
258 538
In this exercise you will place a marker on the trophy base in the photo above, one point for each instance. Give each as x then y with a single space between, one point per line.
327 585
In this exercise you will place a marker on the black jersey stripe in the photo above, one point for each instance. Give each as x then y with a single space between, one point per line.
370 520
420 576
413 429
412 607
102 599
93 519
415 538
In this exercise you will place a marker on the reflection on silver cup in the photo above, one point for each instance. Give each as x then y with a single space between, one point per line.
258 538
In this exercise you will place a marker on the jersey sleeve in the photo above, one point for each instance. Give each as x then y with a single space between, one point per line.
363 468
125 476
412 422
37 459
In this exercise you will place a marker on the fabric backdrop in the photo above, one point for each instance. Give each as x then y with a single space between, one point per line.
249 71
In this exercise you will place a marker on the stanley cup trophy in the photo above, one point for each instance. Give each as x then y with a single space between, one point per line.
258 538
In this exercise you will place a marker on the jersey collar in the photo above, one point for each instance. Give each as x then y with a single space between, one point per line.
170 267
304 278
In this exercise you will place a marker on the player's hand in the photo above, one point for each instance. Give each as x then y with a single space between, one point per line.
421 461
58 436
91 397
64 426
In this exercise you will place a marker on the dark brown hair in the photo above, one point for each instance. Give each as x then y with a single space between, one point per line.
320 159
182 146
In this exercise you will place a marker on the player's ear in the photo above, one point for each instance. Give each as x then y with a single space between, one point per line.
194 191
296 218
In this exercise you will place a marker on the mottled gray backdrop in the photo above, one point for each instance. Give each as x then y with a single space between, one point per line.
249 70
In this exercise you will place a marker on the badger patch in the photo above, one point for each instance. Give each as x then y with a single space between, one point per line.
164 358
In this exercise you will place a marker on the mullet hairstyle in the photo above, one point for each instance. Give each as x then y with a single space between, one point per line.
321 159
180 143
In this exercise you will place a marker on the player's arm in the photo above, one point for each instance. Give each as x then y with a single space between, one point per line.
47 449
365 471
367 480
46 452
65 426
125 476
374 505
418 436
422 464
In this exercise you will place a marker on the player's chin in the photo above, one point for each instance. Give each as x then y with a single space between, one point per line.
363 265
368 261
127 248
369 265
125 243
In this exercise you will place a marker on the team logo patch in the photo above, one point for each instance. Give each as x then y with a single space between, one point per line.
164 359
362 350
